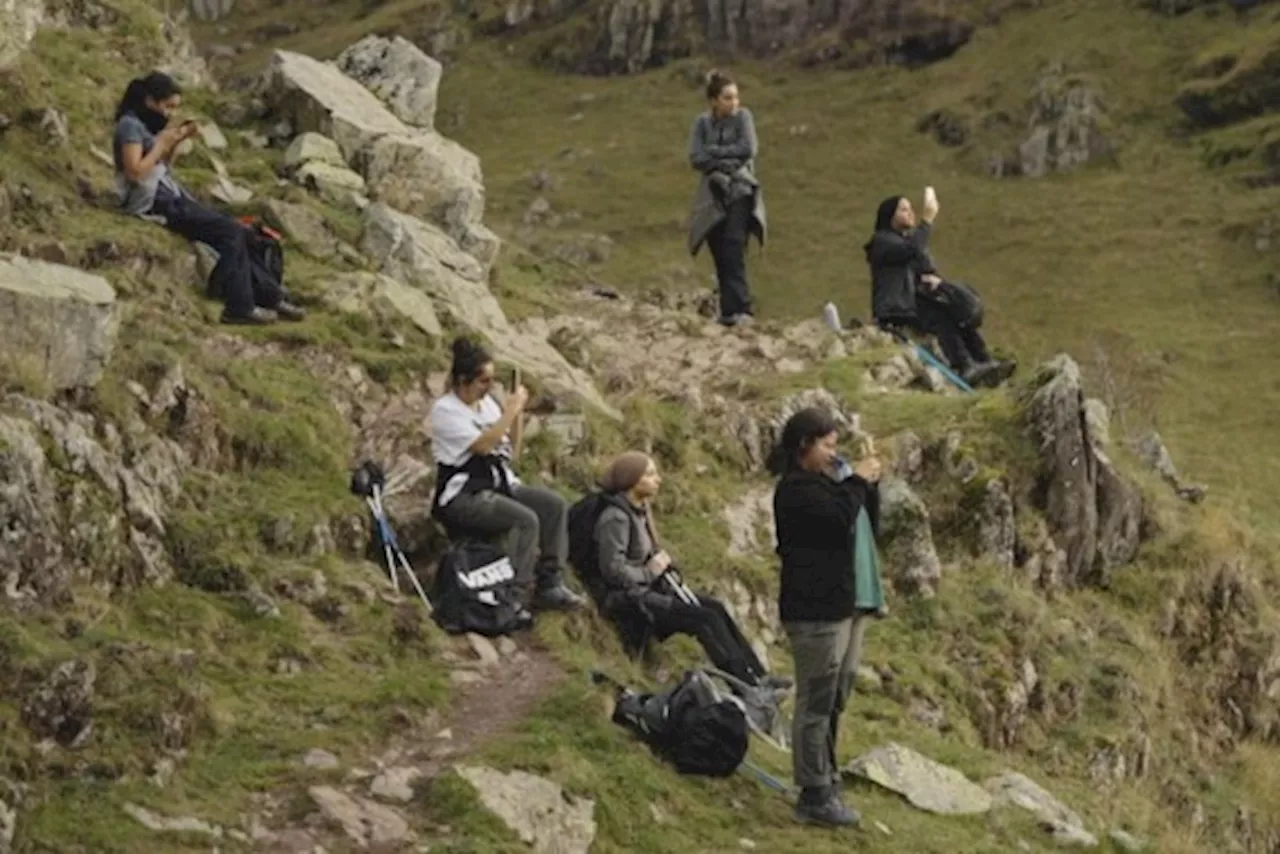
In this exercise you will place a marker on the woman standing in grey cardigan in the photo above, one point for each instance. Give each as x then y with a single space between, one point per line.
729 206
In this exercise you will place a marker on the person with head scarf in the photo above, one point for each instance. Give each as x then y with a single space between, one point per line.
729 206
908 291
827 515
144 146
632 562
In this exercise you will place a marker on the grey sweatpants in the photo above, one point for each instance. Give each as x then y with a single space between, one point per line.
534 520
826 657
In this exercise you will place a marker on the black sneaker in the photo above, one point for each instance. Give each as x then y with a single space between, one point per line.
257 317
288 311
557 597
831 812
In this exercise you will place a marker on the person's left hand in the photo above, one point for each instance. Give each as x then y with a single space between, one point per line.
931 280
188 130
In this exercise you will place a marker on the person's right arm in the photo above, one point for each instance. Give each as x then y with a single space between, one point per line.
896 249
613 538
462 432
828 513
492 437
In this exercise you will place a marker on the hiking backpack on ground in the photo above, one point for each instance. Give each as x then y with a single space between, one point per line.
694 726
475 591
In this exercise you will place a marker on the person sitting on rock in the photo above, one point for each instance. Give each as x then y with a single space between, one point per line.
632 562
729 207
478 492
907 291
143 147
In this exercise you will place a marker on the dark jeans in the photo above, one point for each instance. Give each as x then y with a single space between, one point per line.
233 274
708 621
728 242
962 347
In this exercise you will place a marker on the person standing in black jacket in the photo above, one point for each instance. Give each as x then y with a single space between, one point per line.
908 291
816 506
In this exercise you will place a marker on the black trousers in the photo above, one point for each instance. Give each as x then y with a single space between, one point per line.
708 621
962 347
233 275
728 244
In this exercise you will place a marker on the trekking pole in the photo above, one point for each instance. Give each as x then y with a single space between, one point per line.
924 353
765 777
394 554
682 592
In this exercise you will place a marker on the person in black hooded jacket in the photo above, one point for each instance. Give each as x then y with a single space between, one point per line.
816 507
908 291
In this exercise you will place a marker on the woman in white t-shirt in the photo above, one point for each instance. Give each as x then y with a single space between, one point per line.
478 492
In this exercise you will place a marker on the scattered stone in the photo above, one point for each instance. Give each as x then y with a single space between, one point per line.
541 813
465 677
213 136
1014 789
484 649
156 822
1126 841
309 147
54 127
334 184
395 784
321 760
883 828
747 844
395 70
61 320
228 192
365 822
926 784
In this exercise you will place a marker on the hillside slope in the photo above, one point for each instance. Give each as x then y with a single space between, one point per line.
189 655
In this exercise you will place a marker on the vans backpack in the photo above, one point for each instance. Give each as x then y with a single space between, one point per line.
475 590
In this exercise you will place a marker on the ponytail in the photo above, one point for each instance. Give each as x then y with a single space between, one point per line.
157 86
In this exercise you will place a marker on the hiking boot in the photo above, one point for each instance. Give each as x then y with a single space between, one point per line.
257 317
830 812
978 374
289 311
1005 369
556 597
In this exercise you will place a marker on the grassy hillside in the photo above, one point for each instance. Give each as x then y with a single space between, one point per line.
1137 269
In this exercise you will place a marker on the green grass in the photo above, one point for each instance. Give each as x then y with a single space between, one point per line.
1137 268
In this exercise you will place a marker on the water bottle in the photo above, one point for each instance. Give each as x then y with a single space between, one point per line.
843 469
832 316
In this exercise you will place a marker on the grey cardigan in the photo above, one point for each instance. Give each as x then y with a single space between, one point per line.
724 150
626 541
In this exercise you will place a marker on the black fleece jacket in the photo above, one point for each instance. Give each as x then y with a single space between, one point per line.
815 518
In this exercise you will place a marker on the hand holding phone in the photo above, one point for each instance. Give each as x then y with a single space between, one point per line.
930 204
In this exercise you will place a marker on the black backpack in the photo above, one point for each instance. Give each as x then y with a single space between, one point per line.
266 265
584 552
963 304
475 590
694 726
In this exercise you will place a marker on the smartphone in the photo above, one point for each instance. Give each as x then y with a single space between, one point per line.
930 197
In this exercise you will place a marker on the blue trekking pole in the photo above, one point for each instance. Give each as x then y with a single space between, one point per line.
927 356
765 777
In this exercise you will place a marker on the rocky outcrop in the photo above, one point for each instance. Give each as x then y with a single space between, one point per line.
1151 449
910 559
399 73
628 36
414 170
58 321
19 21
73 509
542 814
1067 126
1094 512
419 254
378 296
1233 83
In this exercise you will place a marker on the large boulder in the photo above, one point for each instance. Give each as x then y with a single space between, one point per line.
315 96
399 73
413 170
927 785
380 296
421 255
19 20
59 320
543 815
